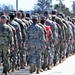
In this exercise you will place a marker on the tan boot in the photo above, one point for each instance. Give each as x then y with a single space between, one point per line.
9 71
39 70
49 67
25 64
22 66
32 68
6 73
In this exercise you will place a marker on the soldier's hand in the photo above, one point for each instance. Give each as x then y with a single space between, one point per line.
11 49
44 48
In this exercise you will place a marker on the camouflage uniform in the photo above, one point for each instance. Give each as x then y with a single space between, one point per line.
6 44
70 38
23 32
18 34
13 56
59 21
52 51
36 43
48 54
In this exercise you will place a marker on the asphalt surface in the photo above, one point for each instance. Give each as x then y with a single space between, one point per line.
65 68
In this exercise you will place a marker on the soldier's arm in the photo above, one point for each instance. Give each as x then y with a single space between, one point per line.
19 35
42 37
11 39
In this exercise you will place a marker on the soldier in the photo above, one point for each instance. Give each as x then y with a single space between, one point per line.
13 57
56 40
24 18
62 37
6 43
23 32
26 24
19 37
48 59
70 35
36 44
54 30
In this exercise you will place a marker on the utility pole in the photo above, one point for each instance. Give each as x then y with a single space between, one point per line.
60 4
16 5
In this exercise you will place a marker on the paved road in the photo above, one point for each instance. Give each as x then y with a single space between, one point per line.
65 68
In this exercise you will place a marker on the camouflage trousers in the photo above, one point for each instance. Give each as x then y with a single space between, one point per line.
70 47
57 52
14 58
22 55
5 52
35 56
49 55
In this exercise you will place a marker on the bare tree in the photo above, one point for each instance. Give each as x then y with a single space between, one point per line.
43 5
6 8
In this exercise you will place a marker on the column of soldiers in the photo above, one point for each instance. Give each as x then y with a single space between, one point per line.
40 41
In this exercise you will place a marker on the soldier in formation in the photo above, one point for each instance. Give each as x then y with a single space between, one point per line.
24 39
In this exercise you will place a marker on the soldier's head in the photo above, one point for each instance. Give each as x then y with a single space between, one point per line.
46 14
34 18
43 19
28 15
73 20
19 15
12 15
1 13
38 17
53 17
23 13
3 19
8 19
68 18
61 15
54 12
15 12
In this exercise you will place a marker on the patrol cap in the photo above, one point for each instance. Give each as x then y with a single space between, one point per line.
37 15
43 17
2 13
54 12
23 13
3 17
46 13
15 12
28 15
61 14
34 17
68 18
11 14
19 14
53 17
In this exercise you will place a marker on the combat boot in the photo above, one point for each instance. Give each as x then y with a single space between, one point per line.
39 70
16 67
6 73
32 68
44 67
13 68
22 66
49 67
25 64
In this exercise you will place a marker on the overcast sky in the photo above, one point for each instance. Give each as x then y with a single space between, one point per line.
29 4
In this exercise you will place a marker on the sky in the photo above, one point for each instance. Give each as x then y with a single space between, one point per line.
29 4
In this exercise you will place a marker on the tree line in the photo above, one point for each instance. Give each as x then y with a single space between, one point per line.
40 7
